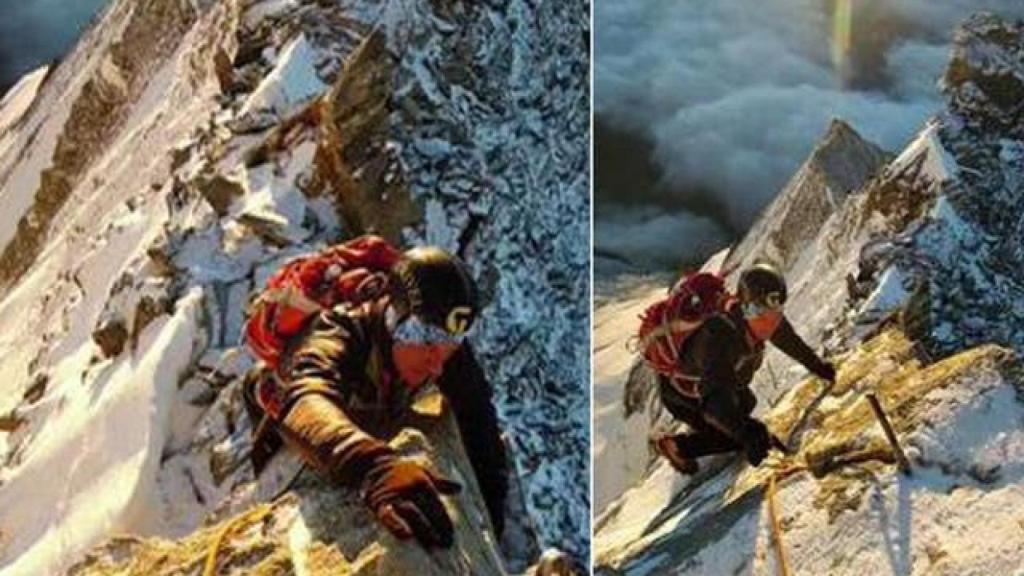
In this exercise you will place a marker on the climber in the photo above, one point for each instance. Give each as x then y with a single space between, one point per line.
720 358
349 376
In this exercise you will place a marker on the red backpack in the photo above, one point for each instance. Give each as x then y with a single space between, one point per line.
353 272
666 324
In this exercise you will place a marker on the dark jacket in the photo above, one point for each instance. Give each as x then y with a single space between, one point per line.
340 392
723 357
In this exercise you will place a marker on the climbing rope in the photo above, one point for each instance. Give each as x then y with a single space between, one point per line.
252 516
780 552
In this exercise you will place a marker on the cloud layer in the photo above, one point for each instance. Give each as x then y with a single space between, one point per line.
652 238
33 32
733 94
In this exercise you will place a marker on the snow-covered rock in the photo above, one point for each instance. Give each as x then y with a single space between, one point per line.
911 286
844 508
315 529
182 152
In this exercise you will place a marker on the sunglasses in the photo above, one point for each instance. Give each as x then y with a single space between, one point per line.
413 331
755 309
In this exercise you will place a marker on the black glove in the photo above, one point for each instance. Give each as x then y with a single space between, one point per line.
826 371
756 441
406 498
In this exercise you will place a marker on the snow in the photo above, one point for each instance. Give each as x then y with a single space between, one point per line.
292 82
620 452
18 99
267 9
105 439
937 163
888 295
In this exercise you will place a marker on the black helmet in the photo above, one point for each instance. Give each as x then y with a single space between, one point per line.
764 284
436 286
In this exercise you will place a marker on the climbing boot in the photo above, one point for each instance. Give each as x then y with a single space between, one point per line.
667 448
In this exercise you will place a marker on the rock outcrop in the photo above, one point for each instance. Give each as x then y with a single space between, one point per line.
318 529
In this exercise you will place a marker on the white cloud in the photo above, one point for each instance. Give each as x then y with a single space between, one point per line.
649 237
734 93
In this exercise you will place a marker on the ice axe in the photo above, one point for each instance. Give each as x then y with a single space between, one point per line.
890 434
778 444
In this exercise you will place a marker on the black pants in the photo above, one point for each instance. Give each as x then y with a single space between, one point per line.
703 438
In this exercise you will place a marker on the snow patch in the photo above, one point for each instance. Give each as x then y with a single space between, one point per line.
96 463
937 164
292 82
889 294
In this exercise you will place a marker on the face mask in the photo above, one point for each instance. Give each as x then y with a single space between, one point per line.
763 325
419 364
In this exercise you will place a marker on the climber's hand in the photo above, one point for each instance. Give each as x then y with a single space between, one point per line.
406 498
826 371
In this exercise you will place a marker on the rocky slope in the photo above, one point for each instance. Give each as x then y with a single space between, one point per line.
300 532
912 285
183 151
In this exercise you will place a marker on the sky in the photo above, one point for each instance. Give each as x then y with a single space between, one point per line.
705 109
34 32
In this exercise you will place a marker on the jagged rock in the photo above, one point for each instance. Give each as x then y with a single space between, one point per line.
224 69
554 563
148 309
840 164
37 390
355 164
271 228
219 191
320 530
161 254
985 76
11 422
111 335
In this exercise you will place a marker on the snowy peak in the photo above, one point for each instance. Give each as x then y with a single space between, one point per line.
840 163
845 158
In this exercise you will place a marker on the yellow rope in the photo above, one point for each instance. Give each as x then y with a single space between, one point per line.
254 515
780 552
